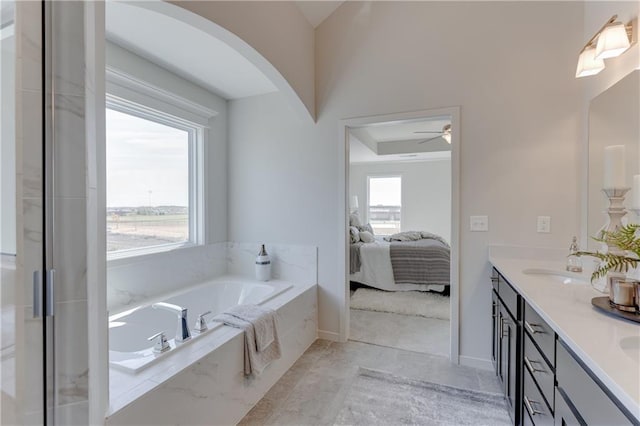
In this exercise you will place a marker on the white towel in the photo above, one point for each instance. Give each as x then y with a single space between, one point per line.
263 321
260 331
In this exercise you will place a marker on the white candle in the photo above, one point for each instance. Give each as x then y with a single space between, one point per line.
614 170
635 192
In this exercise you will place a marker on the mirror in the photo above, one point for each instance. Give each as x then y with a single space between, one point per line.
613 120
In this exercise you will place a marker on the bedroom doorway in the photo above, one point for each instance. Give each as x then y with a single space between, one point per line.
401 231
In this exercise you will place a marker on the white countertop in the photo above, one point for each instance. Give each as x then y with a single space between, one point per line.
597 338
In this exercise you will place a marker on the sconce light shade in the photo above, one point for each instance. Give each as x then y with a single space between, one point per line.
613 41
447 137
588 64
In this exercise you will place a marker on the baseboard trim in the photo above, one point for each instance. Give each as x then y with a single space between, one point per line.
483 364
329 335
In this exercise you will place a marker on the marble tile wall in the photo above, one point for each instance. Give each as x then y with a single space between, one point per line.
214 390
132 281
28 350
289 262
70 233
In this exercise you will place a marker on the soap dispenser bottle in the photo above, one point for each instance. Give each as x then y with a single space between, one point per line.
263 265
574 263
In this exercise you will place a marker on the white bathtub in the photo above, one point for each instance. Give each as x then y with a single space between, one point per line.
129 349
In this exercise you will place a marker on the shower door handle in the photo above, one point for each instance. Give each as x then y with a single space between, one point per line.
51 299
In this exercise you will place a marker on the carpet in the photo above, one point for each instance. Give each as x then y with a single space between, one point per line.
401 401
425 304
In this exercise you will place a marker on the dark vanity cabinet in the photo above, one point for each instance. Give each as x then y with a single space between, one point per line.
544 383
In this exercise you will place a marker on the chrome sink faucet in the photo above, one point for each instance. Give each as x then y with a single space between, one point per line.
183 332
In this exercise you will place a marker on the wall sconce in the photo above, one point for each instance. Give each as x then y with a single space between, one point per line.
612 40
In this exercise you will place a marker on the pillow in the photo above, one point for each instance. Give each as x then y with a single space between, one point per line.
367 228
367 237
354 220
355 234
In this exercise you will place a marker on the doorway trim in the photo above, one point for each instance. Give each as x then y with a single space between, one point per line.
343 203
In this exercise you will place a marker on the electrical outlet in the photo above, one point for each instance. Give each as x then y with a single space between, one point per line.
479 223
544 224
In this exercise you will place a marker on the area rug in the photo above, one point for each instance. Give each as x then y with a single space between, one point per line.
377 398
425 304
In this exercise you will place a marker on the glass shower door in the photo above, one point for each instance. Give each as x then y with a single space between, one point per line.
22 282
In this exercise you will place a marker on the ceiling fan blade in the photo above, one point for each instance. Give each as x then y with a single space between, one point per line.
430 139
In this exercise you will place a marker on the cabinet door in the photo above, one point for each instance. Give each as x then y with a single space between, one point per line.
495 347
564 415
500 344
509 362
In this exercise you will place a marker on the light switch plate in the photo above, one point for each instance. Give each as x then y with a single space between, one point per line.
479 223
544 224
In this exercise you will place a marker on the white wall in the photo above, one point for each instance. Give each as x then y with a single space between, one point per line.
426 193
277 30
123 276
8 145
520 131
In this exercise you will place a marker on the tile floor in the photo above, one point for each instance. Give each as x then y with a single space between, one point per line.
408 332
313 390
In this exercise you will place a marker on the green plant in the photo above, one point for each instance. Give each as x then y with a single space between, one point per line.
626 240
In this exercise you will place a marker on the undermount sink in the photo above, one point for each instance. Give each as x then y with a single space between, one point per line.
563 277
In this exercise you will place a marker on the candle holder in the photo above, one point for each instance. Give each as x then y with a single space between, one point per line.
616 212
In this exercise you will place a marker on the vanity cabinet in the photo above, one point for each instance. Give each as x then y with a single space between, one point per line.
543 381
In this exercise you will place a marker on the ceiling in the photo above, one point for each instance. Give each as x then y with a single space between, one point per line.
317 11
207 61
397 141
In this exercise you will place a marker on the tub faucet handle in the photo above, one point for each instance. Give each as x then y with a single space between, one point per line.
161 344
201 324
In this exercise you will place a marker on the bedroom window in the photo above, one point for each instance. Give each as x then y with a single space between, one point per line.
384 204
152 181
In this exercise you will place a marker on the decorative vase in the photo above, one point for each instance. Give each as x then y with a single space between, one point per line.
263 265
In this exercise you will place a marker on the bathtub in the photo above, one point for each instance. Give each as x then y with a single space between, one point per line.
131 351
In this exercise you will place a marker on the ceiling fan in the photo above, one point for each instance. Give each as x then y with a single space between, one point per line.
445 134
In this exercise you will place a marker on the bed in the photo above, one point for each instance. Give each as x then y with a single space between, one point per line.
412 264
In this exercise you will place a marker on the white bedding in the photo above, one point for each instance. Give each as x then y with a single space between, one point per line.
376 271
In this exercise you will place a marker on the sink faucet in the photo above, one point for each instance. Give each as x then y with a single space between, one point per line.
183 332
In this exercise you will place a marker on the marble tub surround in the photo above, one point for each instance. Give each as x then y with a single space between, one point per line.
605 344
206 378
131 281
293 263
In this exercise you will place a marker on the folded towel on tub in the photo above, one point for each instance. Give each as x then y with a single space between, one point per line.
261 343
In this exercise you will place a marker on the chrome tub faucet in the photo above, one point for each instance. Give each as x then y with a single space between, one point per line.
183 333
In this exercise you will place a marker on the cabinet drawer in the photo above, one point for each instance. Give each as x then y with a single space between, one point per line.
588 398
542 373
533 404
509 297
540 333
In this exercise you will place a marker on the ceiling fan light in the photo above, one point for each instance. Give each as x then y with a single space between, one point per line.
613 41
588 64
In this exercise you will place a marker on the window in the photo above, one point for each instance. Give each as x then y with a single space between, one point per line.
384 204
152 181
